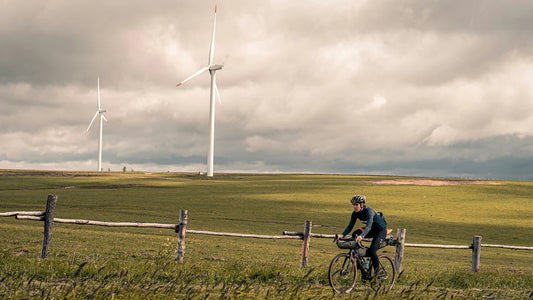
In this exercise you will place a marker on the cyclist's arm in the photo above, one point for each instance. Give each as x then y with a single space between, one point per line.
370 213
350 225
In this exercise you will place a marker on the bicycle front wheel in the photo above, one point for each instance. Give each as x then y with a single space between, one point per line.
386 276
342 273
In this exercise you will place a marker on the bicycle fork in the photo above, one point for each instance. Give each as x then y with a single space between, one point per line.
346 266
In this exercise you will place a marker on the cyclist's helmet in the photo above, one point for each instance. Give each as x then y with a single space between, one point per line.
358 199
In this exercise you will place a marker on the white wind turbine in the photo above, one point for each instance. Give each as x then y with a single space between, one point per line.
99 111
212 71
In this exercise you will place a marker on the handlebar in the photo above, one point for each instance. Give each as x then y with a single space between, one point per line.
349 239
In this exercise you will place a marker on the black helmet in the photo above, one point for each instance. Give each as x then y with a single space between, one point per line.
358 199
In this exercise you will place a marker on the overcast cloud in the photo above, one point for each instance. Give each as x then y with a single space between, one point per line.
430 88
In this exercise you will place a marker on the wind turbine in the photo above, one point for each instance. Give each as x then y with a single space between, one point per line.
212 71
99 111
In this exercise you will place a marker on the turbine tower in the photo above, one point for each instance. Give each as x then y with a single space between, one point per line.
99 111
212 71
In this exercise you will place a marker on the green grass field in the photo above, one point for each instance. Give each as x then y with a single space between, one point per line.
125 263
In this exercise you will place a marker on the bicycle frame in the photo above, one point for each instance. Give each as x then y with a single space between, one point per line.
365 271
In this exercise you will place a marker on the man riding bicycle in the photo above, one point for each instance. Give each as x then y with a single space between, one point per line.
376 228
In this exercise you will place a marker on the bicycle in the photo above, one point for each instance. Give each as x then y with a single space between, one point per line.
343 269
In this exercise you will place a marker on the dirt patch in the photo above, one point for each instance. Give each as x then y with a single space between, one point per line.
46 174
431 182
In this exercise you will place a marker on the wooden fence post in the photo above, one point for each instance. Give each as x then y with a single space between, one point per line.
476 253
400 244
48 224
181 229
305 245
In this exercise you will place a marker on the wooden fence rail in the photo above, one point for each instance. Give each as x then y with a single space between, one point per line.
246 235
99 223
20 216
180 228
23 213
437 246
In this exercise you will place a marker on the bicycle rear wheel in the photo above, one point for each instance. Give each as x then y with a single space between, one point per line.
342 273
386 276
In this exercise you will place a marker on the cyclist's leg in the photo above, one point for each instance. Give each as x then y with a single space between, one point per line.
378 237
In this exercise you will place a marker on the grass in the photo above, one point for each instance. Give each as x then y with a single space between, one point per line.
126 263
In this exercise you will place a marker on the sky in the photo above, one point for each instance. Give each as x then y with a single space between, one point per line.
382 87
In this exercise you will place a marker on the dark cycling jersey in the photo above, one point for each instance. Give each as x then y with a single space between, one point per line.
372 219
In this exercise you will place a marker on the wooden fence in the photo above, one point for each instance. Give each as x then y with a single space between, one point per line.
181 228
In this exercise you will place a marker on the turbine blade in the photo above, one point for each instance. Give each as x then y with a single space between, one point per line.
105 118
98 91
194 75
212 48
90 124
216 90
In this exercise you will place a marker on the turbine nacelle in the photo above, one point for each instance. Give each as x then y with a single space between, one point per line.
215 67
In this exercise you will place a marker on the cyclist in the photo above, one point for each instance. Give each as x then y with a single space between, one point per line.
376 227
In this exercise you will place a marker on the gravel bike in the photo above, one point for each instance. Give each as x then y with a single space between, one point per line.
348 268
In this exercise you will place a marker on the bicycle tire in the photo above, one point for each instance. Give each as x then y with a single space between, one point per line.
387 277
342 277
